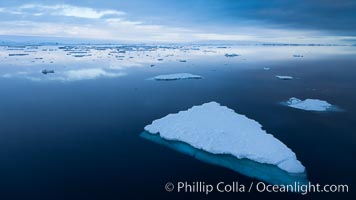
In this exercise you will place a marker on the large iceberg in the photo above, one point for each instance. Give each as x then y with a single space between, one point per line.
220 130
265 172
309 104
170 77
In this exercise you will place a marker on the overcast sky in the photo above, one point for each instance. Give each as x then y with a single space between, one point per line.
293 21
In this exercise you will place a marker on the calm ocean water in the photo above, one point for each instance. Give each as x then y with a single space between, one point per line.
74 134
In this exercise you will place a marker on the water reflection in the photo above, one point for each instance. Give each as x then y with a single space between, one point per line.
264 172
83 62
68 75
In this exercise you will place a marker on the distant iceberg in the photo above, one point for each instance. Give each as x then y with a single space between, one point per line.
284 77
18 54
46 71
309 104
220 130
171 77
298 56
231 55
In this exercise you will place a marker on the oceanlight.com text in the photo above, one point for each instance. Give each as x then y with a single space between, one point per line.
236 187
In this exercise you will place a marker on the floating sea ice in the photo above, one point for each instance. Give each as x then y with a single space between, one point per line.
265 172
170 77
209 51
309 104
220 130
298 56
18 54
45 71
231 55
80 55
284 77
77 52
266 68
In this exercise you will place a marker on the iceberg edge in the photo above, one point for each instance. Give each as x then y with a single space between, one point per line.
220 130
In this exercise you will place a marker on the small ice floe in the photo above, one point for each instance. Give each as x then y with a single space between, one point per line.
284 77
18 54
80 55
16 48
77 52
309 104
229 55
298 56
209 51
266 68
45 71
219 130
179 76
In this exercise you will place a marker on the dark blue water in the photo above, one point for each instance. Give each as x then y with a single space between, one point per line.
80 139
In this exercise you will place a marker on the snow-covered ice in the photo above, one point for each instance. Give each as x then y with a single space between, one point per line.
309 104
178 76
18 54
220 130
231 55
265 172
266 68
298 56
46 71
284 77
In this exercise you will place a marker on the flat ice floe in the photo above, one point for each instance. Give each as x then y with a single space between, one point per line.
171 77
220 130
298 56
265 172
284 77
309 104
46 71
229 55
